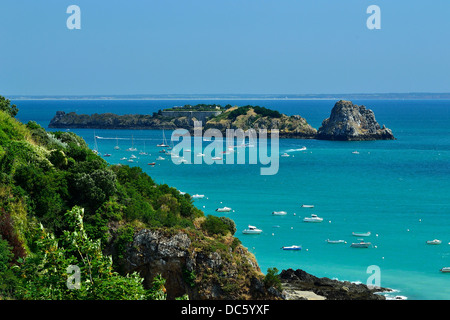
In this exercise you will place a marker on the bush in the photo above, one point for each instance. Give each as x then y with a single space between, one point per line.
214 225
272 280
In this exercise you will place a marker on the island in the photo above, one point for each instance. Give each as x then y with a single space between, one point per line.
346 122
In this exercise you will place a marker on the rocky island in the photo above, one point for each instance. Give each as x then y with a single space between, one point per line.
350 122
347 122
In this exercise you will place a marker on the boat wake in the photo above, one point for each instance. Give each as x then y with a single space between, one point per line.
296 150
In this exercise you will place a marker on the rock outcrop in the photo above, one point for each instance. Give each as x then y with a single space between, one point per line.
350 122
296 283
196 267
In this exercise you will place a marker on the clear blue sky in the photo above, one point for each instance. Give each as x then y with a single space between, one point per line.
223 46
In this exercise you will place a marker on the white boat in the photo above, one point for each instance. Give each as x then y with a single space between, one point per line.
224 209
124 158
313 218
355 152
361 234
307 206
445 269
198 196
164 143
216 158
160 158
132 145
285 155
335 241
435 241
117 144
279 213
294 247
133 156
130 160
251 230
361 244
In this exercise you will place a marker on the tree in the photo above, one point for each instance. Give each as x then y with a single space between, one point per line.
5 105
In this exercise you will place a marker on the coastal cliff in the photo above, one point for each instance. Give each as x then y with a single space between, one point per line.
350 122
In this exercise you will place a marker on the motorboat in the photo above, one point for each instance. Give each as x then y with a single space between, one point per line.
307 206
133 156
361 244
279 213
124 158
198 196
251 230
294 247
435 241
151 163
355 152
160 158
285 155
445 269
224 209
107 155
130 160
216 158
336 241
313 218
361 234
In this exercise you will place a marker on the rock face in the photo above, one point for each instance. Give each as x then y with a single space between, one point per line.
298 281
350 122
196 270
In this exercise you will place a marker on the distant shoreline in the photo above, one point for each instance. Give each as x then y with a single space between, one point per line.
334 96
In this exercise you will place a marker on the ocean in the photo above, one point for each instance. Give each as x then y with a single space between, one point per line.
398 190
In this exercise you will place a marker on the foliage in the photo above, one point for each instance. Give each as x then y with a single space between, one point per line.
218 225
44 275
5 105
272 279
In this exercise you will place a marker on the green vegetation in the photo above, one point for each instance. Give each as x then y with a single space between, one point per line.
260 111
61 205
272 279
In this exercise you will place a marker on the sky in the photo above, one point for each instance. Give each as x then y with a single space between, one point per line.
223 47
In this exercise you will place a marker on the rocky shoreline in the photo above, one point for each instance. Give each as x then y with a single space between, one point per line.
347 122
300 285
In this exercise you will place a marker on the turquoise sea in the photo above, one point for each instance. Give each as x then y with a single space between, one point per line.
398 190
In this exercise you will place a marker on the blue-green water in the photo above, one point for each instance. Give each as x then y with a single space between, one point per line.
398 190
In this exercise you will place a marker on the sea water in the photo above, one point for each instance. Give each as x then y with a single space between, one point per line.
398 190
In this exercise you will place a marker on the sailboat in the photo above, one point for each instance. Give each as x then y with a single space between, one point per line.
95 144
132 145
117 144
164 143
143 152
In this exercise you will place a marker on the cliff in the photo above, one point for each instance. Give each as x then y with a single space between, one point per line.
197 266
351 122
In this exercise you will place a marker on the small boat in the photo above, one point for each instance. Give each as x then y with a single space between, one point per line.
164 143
252 230
313 218
355 152
216 158
307 206
285 155
224 209
151 163
292 248
130 160
335 241
133 156
435 241
164 151
361 234
107 155
445 269
279 213
198 196
160 158
360 244
124 158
